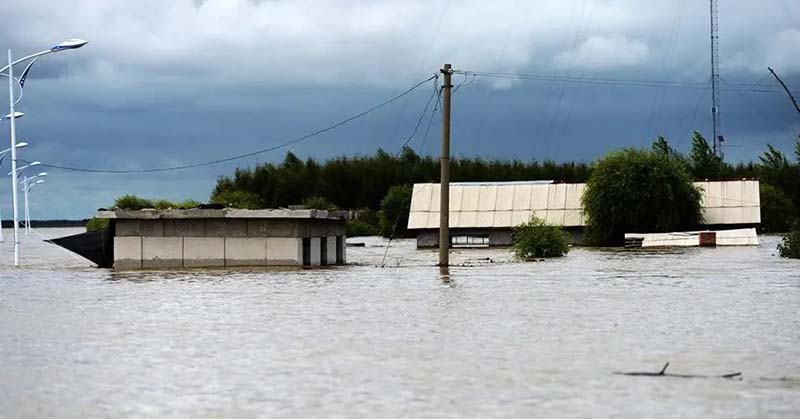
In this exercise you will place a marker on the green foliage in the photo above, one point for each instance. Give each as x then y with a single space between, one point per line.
777 210
703 163
363 181
237 199
773 158
393 216
638 191
790 245
797 150
360 228
95 224
319 203
366 223
535 239
132 202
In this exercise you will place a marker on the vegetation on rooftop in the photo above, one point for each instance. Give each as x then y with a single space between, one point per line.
133 202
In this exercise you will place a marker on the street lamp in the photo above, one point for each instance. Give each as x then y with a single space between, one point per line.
25 189
19 169
3 156
66 45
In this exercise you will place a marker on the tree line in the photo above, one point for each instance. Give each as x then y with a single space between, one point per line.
362 182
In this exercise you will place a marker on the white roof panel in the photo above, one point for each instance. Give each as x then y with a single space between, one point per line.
508 204
505 197
487 199
522 197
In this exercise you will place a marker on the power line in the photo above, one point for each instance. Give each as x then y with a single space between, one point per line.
421 116
252 153
611 81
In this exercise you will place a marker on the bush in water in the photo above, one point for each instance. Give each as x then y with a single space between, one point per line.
535 239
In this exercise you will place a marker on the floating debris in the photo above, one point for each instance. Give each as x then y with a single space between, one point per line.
663 373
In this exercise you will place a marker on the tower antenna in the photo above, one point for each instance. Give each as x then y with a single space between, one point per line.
715 114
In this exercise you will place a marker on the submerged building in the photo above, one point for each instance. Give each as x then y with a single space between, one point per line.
200 238
485 213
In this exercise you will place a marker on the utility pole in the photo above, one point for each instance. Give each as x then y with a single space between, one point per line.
718 139
794 102
444 181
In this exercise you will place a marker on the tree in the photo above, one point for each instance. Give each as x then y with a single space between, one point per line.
395 207
638 191
704 163
777 209
797 150
773 158
661 146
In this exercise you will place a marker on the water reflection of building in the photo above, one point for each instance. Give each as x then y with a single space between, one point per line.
484 213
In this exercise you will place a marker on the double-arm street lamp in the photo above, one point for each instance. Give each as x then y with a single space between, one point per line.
26 187
2 157
66 45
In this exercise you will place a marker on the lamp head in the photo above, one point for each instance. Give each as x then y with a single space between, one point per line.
16 115
42 174
73 43
35 163
22 144
39 181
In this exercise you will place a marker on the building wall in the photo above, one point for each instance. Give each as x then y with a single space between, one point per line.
195 243
497 237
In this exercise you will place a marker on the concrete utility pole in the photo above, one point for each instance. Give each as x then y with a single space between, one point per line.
444 182
789 92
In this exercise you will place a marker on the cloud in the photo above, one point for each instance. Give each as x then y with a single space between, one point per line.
600 52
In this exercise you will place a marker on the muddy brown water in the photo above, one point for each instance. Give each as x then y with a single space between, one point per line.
488 338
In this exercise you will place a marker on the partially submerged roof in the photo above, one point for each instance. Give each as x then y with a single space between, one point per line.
152 214
508 204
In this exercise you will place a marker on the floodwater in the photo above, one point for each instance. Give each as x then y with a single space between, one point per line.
489 338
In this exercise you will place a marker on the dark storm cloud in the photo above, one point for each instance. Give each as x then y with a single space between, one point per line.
166 83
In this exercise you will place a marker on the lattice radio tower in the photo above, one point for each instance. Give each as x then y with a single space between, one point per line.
718 139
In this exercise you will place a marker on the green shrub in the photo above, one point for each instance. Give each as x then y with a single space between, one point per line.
637 191
535 239
237 199
319 203
365 223
95 224
790 246
777 210
359 228
132 202
163 204
393 217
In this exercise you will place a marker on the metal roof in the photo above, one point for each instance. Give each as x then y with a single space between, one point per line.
508 204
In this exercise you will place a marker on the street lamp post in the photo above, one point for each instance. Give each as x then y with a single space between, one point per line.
66 45
27 207
3 156
26 186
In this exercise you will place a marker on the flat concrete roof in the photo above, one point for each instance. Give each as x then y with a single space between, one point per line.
154 214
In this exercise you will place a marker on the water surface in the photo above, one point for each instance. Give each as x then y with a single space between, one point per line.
488 338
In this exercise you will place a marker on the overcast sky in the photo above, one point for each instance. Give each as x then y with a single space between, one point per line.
171 82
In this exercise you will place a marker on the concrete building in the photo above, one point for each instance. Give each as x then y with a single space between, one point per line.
194 238
484 213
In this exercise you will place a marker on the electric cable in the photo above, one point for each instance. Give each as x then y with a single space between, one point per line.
252 153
